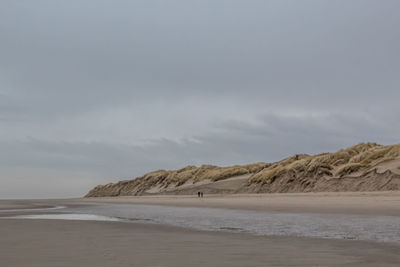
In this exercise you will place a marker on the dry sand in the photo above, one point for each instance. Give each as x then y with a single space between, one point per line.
92 243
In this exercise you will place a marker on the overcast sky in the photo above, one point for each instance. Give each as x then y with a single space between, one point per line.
99 91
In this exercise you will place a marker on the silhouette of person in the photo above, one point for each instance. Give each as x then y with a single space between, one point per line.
198 194
201 194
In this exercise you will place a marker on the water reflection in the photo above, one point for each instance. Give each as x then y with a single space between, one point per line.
340 226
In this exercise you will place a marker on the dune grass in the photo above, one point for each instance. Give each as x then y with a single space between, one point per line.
360 157
196 174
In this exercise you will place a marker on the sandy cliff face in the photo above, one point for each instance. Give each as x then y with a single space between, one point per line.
363 167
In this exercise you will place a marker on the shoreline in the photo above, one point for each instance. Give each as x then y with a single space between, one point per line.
361 203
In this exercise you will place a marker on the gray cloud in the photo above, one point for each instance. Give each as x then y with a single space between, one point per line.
96 91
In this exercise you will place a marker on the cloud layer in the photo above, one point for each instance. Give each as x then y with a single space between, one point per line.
100 91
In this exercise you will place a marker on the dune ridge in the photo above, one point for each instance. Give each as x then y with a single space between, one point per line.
363 167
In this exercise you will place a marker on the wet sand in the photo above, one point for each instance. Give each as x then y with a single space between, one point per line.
91 243
23 204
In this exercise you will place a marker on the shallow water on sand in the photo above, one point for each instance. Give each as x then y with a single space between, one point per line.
338 226
67 216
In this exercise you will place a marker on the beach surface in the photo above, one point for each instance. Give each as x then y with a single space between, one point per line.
375 203
49 242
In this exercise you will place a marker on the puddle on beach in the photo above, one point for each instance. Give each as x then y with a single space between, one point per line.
66 216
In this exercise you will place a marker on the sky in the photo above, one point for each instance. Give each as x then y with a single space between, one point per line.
96 91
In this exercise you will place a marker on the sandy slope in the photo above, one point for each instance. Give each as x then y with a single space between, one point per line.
225 186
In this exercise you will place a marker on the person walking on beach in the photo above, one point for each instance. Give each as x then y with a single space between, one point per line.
201 194
198 194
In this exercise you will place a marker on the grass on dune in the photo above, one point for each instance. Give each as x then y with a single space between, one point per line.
204 172
346 161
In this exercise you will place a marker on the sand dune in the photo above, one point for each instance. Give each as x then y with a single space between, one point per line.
363 167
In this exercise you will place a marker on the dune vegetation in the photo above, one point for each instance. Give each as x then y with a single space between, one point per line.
348 161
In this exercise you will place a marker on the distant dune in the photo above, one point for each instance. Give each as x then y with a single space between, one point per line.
363 167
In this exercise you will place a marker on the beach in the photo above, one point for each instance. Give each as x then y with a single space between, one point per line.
83 243
49 242
376 203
